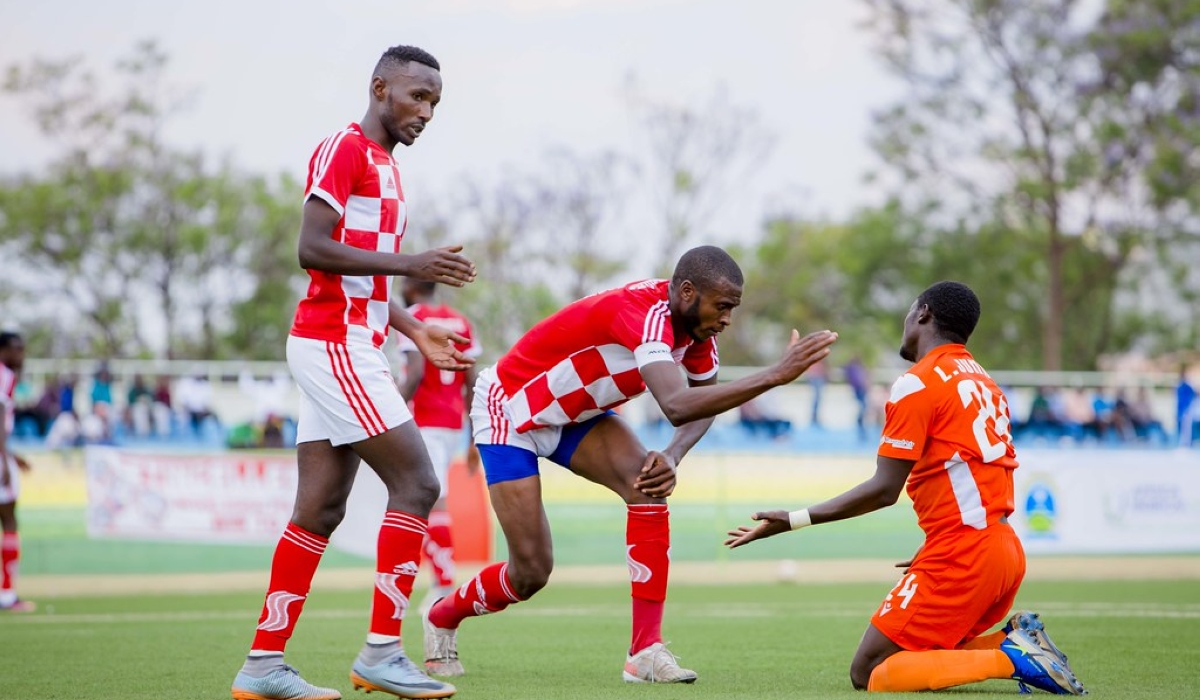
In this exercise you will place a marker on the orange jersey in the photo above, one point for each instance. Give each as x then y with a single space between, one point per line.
949 416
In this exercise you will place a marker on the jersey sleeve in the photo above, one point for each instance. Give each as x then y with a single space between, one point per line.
701 360
646 331
908 415
335 169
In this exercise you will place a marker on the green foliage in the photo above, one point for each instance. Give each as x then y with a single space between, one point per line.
121 228
1049 146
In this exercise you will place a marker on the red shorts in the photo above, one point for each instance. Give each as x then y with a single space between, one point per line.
959 586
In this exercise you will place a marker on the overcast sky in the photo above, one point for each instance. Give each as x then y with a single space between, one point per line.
271 79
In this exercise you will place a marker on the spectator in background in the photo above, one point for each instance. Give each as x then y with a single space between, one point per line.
1122 417
1079 415
47 407
102 387
269 396
25 410
859 380
1105 420
818 376
1185 404
1044 420
66 395
139 402
194 396
758 415
162 406
1141 413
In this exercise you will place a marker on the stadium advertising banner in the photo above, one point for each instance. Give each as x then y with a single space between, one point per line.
244 498
1108 501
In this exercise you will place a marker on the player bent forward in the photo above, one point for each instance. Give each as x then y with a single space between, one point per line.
551 396
945 435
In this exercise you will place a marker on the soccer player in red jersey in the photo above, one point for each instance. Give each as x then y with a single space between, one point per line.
551 396
946 436
12 359
350 409
439 399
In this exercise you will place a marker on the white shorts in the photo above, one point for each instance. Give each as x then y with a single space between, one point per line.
492 425
9 493
347 393
443 444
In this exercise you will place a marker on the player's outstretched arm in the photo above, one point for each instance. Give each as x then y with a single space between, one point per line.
880 491
681 403
434 342
770 523
443 265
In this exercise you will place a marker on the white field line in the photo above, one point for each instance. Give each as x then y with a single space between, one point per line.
1165 611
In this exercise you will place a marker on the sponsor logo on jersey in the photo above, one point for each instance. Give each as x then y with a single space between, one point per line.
898 444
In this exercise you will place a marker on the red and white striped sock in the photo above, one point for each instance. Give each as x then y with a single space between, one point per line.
489 592
296 558
439 549
397 563
648 554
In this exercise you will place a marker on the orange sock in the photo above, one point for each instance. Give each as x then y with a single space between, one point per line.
986 641
907 671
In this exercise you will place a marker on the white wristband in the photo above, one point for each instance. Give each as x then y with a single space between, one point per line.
799 519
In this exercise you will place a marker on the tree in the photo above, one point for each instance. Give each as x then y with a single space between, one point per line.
129 230
581 199
1014 125
695 161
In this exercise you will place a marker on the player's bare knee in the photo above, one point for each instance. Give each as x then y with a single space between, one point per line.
860 671
529 574
858 680
322 520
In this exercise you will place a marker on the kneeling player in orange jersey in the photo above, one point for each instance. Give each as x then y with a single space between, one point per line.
945 435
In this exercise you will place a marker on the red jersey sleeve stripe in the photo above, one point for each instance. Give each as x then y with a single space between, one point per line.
652 329
325 156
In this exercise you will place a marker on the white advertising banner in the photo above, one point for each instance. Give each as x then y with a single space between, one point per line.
244 498
233 497
1108 501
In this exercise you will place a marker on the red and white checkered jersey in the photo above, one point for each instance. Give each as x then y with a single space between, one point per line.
438 401
359 179
587 358
8 386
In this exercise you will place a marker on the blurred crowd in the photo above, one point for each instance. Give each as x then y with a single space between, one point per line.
183 409
162 408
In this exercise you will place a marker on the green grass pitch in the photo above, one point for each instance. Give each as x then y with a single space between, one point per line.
1126 640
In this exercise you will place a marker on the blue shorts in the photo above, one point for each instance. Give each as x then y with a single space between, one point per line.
508 463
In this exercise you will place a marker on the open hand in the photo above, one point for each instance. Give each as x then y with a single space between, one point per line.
657 478
437 344
442 265
771 523
805 352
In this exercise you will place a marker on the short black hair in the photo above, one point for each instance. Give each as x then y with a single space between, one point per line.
400 55
8 338
955 309
705 266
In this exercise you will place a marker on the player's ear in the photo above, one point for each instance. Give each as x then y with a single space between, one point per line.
378 88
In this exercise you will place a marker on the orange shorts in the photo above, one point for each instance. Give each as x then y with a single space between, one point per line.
959 586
